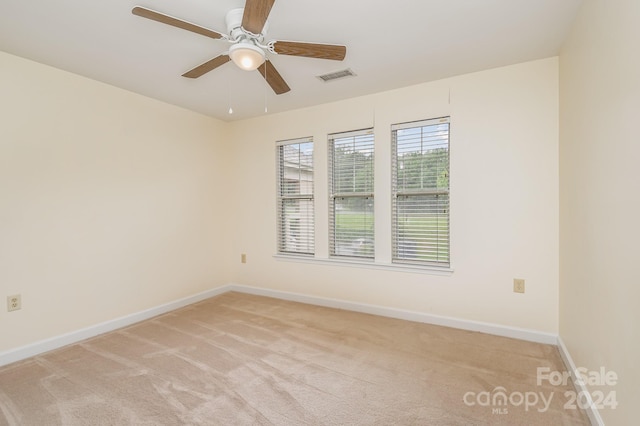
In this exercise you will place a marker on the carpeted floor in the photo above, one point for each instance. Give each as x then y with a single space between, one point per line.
239 359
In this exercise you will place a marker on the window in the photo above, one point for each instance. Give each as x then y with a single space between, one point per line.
351 194
420 203
295 197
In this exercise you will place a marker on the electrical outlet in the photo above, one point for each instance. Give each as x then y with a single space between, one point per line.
243 258
14 303
518 285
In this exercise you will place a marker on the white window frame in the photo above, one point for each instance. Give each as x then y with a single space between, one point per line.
363 248
428 245
305 228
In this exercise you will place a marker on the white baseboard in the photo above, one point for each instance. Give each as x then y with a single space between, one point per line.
56 342
483 327
591 410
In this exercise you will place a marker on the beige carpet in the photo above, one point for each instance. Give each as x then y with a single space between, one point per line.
238 359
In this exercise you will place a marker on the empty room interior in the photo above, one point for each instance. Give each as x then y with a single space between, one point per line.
401 213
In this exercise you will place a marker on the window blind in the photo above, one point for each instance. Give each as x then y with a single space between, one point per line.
420 198
295 196
351 174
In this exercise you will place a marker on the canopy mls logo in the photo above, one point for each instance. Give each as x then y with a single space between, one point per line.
499 399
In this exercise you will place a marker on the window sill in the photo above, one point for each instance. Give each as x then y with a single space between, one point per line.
366 264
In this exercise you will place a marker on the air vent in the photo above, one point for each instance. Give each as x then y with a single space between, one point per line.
337 75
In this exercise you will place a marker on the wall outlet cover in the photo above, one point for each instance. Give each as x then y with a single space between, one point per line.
518 285
14 302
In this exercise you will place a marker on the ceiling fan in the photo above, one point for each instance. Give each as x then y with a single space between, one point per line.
246 30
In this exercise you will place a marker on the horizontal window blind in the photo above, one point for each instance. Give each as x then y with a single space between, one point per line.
420 203
295 196
351 174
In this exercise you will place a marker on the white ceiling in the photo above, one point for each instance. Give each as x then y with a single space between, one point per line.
390 44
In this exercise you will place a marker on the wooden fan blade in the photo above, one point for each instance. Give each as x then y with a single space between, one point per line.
170 20
201 70
273 77
310 50
255 15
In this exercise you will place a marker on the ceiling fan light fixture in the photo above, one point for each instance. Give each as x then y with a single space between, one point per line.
246 56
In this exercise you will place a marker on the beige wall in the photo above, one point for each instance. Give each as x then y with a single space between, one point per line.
599 190
504 202
110 203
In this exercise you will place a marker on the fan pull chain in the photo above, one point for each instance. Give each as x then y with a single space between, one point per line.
265 87
229 98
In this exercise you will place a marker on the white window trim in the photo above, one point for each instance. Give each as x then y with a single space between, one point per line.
280 197
324 258
394 191
333 196
366 264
